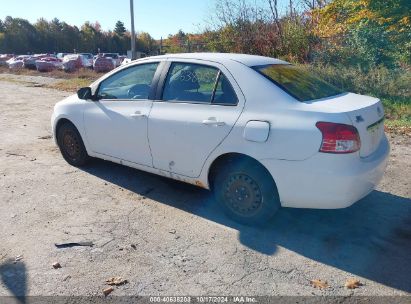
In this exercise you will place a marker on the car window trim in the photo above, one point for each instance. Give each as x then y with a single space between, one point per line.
215 86
232 88
162 82
153 87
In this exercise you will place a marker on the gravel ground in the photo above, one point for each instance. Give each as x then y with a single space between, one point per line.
167 238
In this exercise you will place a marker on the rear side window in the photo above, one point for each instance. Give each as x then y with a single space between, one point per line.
190 82
224 92
196 83
298 82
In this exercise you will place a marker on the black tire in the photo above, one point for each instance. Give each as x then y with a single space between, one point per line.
246 192
71 145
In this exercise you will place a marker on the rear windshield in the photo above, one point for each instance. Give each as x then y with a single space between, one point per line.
298 82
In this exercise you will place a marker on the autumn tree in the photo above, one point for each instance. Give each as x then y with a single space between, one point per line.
379 31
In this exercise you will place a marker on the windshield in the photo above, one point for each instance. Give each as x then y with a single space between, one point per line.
298 82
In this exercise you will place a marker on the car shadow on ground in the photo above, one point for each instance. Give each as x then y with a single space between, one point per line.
371 239
14 277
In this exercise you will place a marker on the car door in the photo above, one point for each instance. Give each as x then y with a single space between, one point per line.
116 124
198 108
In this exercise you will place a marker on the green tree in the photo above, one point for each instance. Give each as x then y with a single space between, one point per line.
19 36
70 38
90 37
44 36
120 28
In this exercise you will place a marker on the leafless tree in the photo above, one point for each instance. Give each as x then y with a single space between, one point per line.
274 12
313 4
291 8
259 27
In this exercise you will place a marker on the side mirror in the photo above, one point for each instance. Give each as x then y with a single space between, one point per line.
85 93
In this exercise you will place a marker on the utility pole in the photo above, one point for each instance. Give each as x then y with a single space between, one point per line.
133 32
161 46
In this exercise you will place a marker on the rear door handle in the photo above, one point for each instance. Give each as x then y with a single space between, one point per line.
212 121
138 114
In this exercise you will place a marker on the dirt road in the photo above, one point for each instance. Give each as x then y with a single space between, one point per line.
167 238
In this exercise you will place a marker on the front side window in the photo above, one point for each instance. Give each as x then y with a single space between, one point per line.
298 82
131 83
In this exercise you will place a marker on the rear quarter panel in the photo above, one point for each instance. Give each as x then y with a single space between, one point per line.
293 135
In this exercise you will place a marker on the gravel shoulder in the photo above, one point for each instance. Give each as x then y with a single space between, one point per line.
167 238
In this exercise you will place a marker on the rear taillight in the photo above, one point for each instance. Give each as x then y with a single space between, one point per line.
338 138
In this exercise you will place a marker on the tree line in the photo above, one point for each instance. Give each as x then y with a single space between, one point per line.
362 33
19 36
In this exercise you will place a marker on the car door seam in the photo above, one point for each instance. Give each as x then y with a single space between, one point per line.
148 138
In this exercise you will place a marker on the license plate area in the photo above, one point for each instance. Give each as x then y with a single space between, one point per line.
375 126
375 132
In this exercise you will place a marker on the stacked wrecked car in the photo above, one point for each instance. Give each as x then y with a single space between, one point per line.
67 62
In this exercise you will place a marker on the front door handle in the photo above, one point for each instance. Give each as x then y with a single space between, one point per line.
138 114
212 121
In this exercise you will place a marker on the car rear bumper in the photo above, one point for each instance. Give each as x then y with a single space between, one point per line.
328 181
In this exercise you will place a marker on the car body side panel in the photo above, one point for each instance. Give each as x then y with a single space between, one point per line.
180 141
112 130
293 135
70 108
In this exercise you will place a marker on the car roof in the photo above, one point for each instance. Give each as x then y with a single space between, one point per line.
248 60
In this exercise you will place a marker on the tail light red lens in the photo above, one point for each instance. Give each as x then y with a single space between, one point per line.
339 138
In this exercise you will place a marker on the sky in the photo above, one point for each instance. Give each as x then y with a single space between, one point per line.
157 17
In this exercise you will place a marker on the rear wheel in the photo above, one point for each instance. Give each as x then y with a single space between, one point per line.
71 145
247 192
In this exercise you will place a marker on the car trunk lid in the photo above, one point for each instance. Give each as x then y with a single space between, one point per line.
366 114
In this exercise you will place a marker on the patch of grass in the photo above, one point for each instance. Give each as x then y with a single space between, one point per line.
397 110
17 81
399 127
59 74
70 85
70 82
381 82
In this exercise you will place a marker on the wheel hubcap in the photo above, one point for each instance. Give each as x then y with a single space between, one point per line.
71 144
242 194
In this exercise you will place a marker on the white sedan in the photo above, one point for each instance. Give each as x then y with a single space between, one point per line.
259 132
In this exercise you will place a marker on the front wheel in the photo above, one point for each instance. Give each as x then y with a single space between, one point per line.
247 192
71 145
